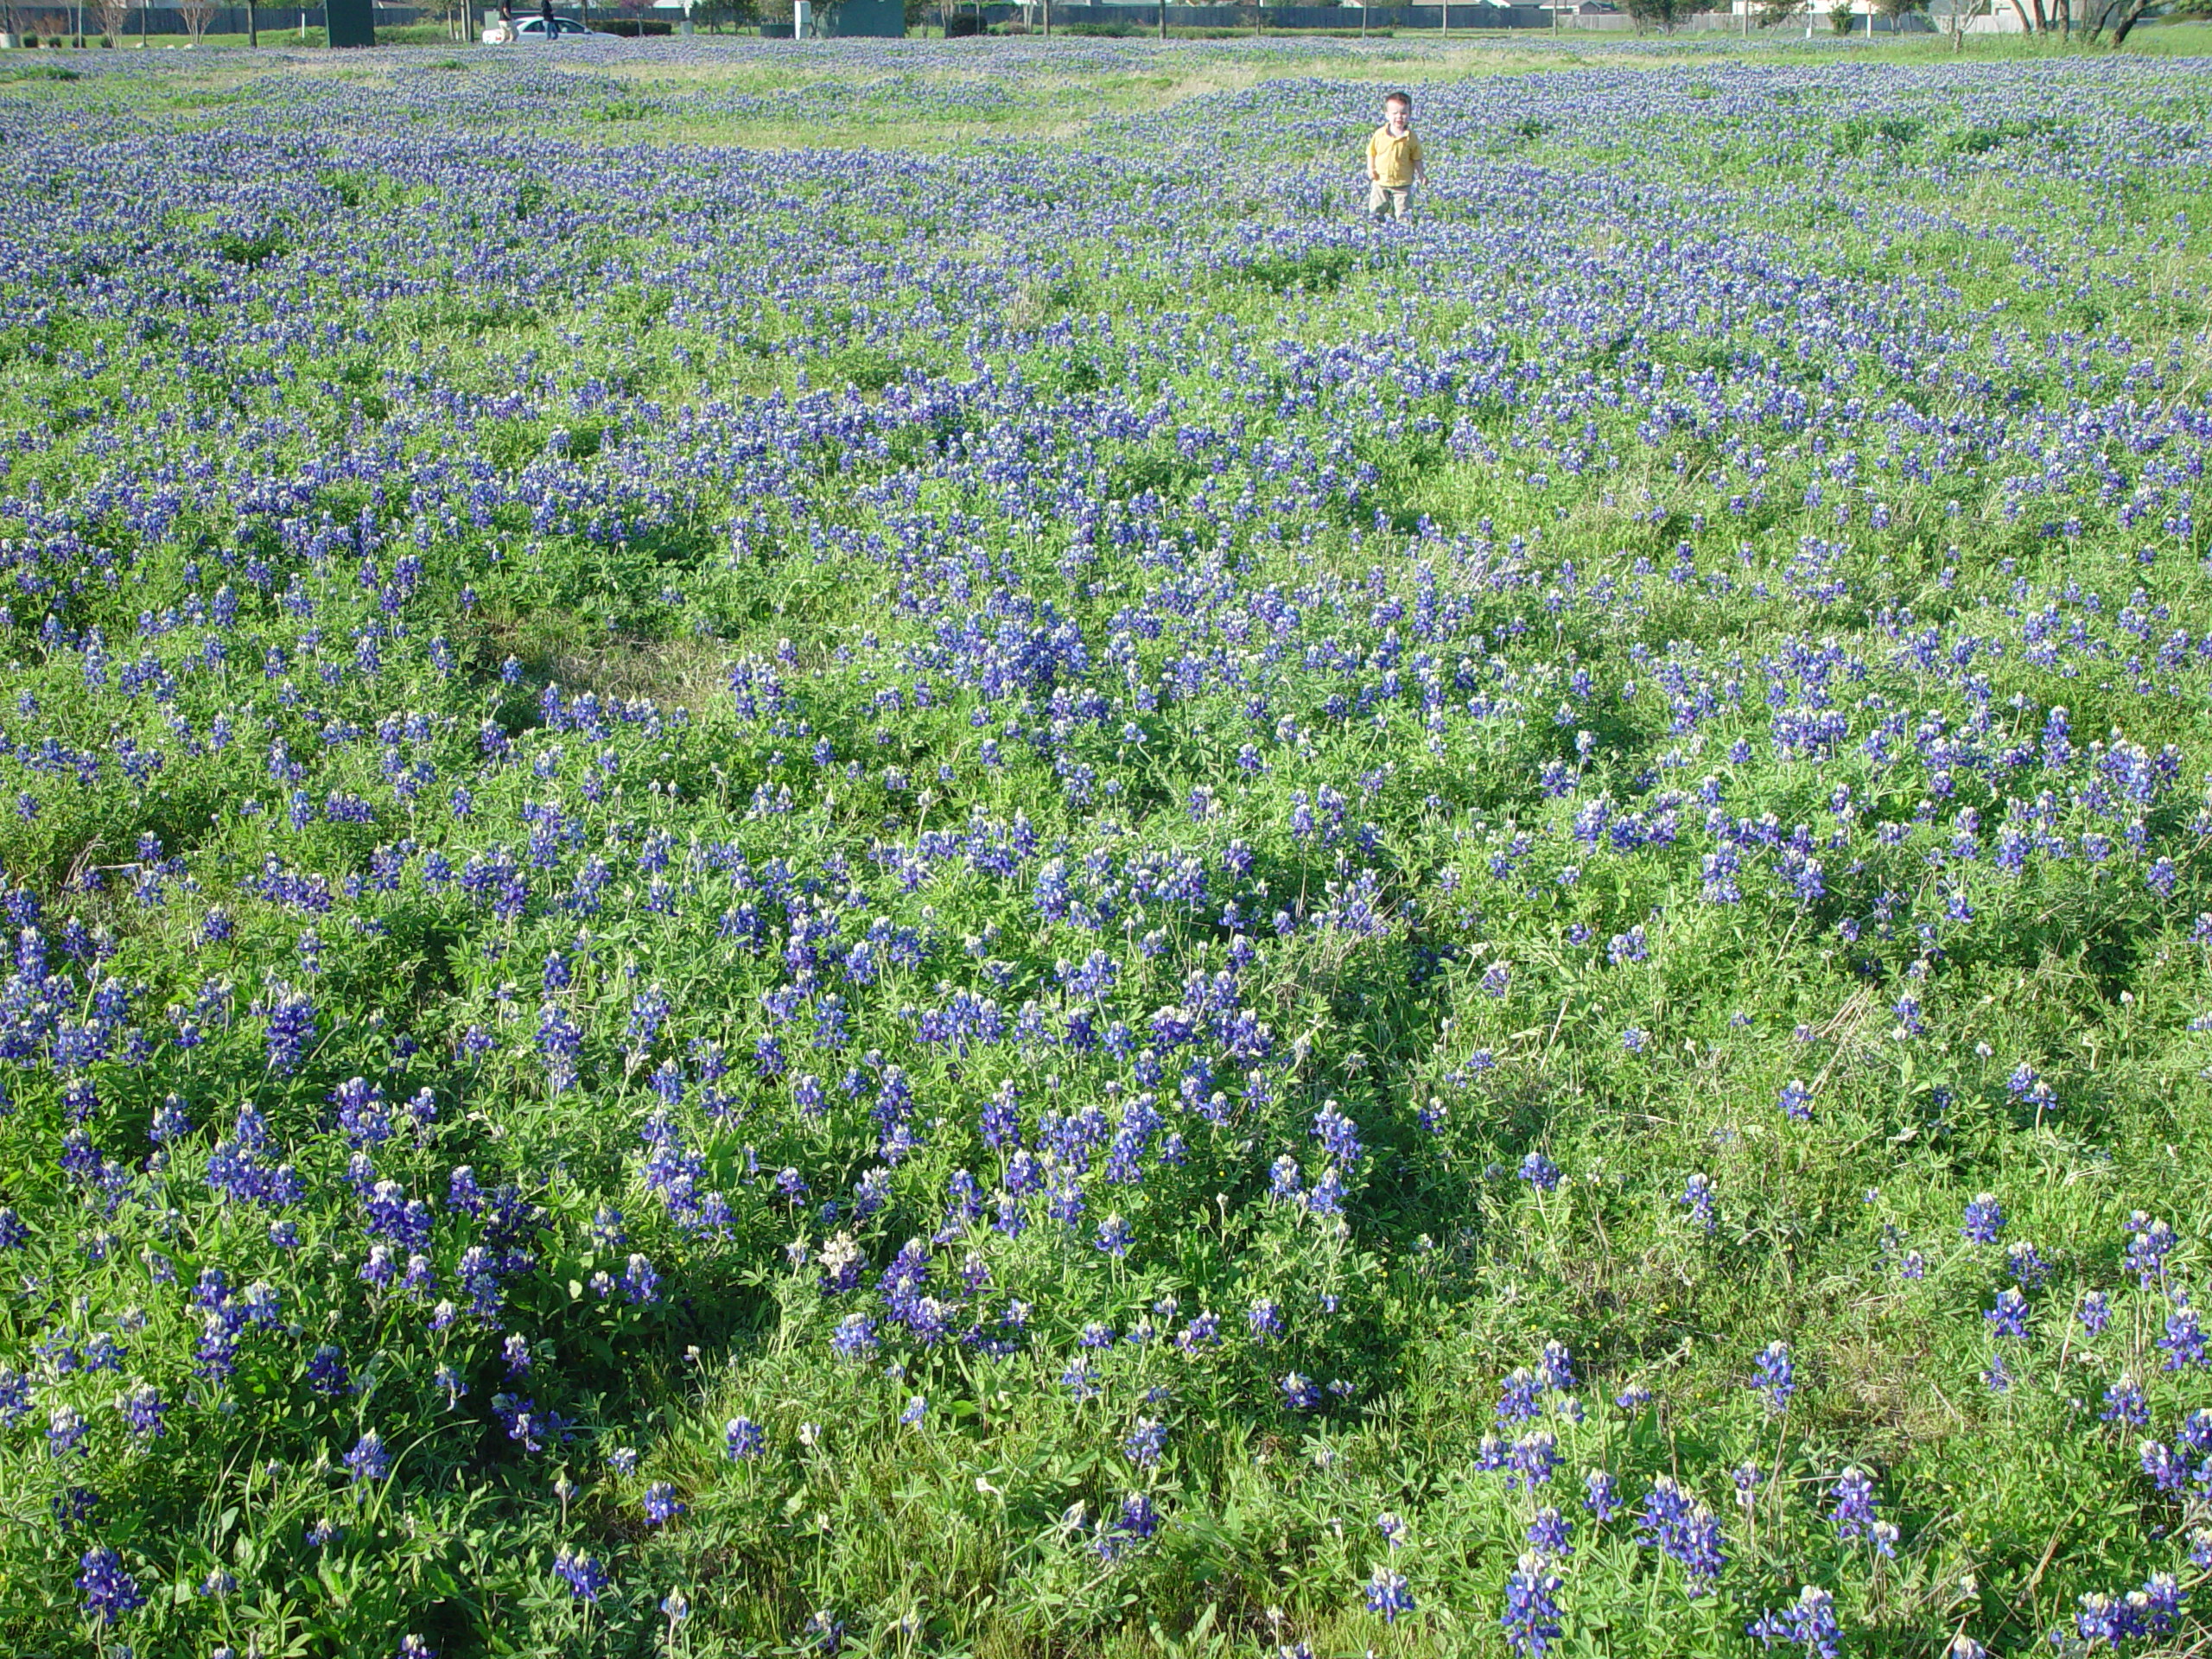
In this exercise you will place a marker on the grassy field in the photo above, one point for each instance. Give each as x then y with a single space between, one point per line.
865 847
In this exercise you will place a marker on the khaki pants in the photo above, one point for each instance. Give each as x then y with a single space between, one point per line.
1390 200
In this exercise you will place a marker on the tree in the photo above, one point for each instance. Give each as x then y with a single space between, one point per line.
112 14
196 14
1963 12
2122 16
1662 14
1897 11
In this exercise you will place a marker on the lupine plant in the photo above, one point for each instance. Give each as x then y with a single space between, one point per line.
1016 894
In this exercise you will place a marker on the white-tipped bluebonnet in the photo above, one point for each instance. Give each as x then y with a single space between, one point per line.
1685 1530
1600 1496
1551 1535
1389 1594
1775 1375
369 1459
1983 1221
1697 1198
1809 1623
2149 1243
1531 1619
2124 1403
583 1574
1851 1504
1144 1444
109 1592
2096 1313
142 1409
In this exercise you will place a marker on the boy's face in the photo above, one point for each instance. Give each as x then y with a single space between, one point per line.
1395 115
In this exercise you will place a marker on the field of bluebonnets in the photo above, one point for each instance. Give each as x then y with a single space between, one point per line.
983 887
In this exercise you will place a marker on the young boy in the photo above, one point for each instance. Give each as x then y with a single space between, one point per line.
1394 160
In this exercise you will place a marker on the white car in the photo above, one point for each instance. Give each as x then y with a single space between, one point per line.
533 28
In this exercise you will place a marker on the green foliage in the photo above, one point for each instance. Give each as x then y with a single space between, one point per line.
577 419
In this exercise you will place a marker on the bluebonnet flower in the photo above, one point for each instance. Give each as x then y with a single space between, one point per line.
1146 1442
65 1433
1531 1459
1697 1198
369 1460
1532 1614
2125 1404
1555 1366
2184 1341
110 1593
660 1503
1337 1134
2027 1268
1600 1496
1851 1504
1540 1172
1519 1396
1389 1594
1685 1530
640 1283
142 1409
1984 1220
1795 1101
2008 1318
1810 1623
1775 1375
1551 1535
1139 1519
2096 1313
2149 1243
291 1028
583 1574
742 1438
327 1374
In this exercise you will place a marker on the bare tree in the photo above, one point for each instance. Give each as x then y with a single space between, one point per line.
112 15
2121 16
197 15
1962 12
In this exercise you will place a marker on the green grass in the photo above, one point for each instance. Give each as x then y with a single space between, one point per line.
527 375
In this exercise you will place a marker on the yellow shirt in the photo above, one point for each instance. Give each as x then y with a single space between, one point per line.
1391 161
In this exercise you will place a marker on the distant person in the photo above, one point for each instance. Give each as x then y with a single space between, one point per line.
1394 160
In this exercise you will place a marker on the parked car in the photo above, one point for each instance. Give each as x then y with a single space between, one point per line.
533 28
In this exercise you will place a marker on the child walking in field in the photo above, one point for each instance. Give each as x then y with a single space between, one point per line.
1394 160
